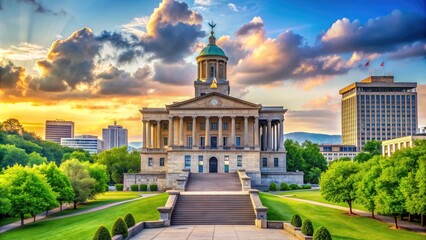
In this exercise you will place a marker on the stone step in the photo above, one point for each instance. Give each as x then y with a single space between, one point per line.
213 182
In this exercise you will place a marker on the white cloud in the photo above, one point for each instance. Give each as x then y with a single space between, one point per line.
24 51
203 2
137 25
235 8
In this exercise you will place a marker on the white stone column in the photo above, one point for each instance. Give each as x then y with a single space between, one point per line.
246 143
158 133
144 134
233 131
264 138
181 131
207 136
269 135
194 127
256 132
220 140
281 136
148 145
171 132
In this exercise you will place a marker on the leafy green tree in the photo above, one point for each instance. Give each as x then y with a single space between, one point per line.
79 154
81 182
19 142
4 200
35 159
118 161
371 148
11 155
29 192
52 151
12 126
313 175
100 174
366 188
338 183
294 158
59 182
313 157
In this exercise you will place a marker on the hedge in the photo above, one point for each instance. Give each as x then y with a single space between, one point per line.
293 186
307 228
120 227
129 220
296 220
119 187
143 187
102 234
322 234
284 187
153 187
306 186
134 187
273 187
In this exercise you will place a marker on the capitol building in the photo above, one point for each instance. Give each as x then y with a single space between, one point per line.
213 132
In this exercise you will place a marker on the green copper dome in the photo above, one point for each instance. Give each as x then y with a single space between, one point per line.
212 49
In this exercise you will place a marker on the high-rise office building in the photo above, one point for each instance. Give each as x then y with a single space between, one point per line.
57 129
114 136
86 142
378 108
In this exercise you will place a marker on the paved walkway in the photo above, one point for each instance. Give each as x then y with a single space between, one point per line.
42 216
389 220
213 232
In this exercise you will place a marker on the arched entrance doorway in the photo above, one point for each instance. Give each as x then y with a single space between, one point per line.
213 165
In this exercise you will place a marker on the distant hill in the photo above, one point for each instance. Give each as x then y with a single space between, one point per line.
318 138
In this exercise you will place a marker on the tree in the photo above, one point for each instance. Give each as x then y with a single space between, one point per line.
338 183
11 155
294 159
118 161
59 182
35 159
366 187
313 175
19 142
371 148
100 174
52 151
29 192
12 125
81 181
4 200
79 154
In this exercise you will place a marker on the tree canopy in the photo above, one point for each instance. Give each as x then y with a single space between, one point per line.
119 161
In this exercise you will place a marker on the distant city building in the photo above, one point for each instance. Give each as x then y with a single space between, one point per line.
57 129
333 152
377 108
114 136
86 142
393 145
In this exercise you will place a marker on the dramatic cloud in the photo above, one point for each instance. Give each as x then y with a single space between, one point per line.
12 79
24 51
176 74
414 50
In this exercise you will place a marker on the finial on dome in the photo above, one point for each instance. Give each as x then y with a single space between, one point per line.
214 83
212 38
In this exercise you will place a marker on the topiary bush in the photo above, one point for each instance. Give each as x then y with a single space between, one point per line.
120 227
322 234
273 187
293 186
102 234
153 187
134 187
284 187
307 228
119 187
296 220
306 186
143 187
129 220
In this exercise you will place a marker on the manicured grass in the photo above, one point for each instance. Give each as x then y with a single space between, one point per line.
340 225
315 195
101 199
84 226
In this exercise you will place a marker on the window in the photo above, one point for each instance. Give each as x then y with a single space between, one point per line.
202 94
225 126
189 142
212 71
200 164
165 126
238 141
161 162
264 162
226 164
150 162
189 126
166 141
202 126
202 141
225 141
275 162
187 161
239 161
213 126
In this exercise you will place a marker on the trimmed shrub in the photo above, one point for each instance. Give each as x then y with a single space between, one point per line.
307 228
284 187
143 187
296 220
322 234
306 186
120 227
293 186
102 234
134 187
153 187
119 187
130 220
273 187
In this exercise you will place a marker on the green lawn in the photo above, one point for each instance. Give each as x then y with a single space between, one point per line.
340 225
84 226
315 195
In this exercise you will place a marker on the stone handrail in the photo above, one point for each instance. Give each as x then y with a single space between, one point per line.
260 210
167 210
244 179
182 180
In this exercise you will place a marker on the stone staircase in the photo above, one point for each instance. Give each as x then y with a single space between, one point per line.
213 199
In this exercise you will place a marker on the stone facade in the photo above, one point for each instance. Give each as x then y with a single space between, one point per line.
213 132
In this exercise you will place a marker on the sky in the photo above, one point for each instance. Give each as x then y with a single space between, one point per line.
99 61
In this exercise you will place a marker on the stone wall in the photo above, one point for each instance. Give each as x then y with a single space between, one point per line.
145 178
278 177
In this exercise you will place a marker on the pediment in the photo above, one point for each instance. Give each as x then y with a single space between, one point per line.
214 101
